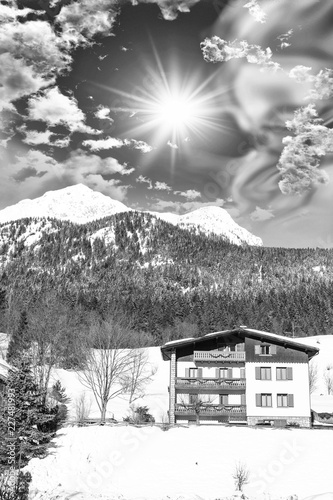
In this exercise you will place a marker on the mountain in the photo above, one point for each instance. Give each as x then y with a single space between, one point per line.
77 203
214 220
80 204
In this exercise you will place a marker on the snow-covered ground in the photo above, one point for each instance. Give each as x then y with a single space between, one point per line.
148 463
184 463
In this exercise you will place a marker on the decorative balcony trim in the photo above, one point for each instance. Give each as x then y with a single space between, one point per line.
210 383
210 409
213 356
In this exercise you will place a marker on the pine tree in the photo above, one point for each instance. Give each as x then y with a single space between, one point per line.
22 419
19 342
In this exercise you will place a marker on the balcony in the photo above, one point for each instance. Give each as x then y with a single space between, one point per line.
211 410
210 385
219 356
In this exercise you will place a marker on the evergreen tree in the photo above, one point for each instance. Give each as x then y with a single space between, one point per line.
19 342
22 419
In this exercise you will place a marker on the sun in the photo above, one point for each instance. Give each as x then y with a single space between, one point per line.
171 107
176 111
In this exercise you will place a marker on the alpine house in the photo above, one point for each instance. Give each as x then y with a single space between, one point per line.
239 376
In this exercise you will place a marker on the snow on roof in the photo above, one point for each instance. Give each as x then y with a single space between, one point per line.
266 335
279 337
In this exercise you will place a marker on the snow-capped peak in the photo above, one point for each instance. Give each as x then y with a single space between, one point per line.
213 219
81 204
76 203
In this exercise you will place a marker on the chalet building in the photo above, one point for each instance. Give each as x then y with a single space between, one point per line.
239 376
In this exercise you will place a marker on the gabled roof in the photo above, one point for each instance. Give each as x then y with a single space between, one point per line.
236 334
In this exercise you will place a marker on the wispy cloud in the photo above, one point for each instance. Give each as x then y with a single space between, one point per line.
261 214
183 207
113 142
189 194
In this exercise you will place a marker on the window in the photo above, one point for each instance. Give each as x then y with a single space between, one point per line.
265 349
193 372
224 399
284 373
263 373
240 347
225 373
264 400
285 400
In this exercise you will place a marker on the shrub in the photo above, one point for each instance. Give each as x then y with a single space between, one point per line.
139 415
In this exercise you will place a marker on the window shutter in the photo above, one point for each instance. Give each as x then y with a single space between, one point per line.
217 372
258 373
290 400
273 349
242 373
289 373
258 399
187 372
257 349
243 399
229 372
199 372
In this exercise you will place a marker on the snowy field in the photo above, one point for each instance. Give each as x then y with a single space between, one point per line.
195 462
184 463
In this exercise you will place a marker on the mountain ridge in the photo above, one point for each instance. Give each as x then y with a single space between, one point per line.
81 205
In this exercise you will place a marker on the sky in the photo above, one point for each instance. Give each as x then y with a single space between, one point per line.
117 95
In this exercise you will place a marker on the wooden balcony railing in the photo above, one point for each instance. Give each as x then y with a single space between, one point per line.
218 356
210 383
210 410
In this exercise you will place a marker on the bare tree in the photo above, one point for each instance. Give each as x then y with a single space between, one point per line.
199 403
107 362
313 376
328 378
139 374
47 325
241 476
82 408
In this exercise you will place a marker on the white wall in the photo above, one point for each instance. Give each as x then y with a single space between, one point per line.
299 387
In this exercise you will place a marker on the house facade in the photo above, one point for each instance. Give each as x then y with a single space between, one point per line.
239 376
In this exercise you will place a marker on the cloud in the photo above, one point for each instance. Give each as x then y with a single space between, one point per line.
27 172
260 214
172 145
32 54
103 113
170 8
140 145
190 194
144 180
183 207
108 143
34 172
162 186
54 108
81 21
158 185
33 137
113 142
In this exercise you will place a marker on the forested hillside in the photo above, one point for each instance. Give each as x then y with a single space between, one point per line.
165 281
